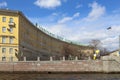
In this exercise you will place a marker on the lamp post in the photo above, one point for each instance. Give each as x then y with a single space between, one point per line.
118 41
119 45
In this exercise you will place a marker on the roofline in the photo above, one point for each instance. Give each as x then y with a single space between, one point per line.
20 13
114 51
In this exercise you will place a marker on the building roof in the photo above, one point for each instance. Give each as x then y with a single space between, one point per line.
42 29
114 51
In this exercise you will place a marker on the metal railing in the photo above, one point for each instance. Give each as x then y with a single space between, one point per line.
58 37
51 58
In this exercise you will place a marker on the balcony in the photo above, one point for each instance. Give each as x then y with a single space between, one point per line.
12 24
7 36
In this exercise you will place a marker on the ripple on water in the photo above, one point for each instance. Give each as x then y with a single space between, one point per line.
4 76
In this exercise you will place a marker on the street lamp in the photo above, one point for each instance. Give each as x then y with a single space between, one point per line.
119 40
119 44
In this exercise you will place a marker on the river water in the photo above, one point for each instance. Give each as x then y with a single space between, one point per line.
65 76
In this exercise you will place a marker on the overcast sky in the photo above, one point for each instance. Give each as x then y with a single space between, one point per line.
76 20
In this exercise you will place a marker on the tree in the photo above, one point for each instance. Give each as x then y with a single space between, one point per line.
67 51
103 51
95 43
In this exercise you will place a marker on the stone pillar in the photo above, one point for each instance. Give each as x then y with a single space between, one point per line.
51 59
38 58
76 58
24 58
63 58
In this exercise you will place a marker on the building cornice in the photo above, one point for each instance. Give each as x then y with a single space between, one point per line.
19 13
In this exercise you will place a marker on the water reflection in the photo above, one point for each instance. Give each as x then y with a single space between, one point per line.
4 76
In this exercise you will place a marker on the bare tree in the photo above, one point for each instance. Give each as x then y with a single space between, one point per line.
104 51
95 43
67 51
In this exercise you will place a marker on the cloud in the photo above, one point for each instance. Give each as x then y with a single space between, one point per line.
85 31
48 3
96 12
111 42
66 19
58 29
76 14
93 26
54 14
78 6
3 4
116 11
50 19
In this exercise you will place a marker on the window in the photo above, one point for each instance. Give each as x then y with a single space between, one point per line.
11 50
3 50
11 20
11 29
3 39
3 19
3 58
11 58
3 29
11 40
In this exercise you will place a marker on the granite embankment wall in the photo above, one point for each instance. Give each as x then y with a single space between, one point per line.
61 66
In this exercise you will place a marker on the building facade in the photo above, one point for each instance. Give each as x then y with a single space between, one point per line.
8 35
19 38
114 53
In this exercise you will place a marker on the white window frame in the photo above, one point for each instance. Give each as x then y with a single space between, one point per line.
11 40
3 39
11 58
3 58
11 20
3 50
10 50
3 29
3 19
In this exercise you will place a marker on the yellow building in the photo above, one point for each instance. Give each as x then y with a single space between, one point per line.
8 35
19 37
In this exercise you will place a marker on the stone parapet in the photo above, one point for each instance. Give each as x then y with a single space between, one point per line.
61 66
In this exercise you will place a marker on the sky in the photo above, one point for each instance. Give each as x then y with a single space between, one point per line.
75 20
